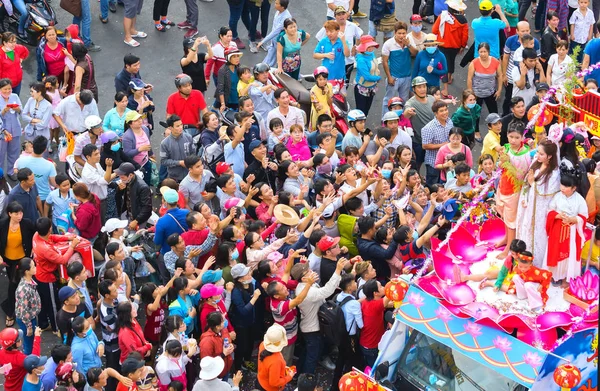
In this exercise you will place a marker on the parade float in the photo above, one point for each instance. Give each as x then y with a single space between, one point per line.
453 335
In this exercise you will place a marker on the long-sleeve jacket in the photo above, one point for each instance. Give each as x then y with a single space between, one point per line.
28 302
241 311
43 112
422 61
11 69
27 228
179 307
172 151
467 120
272 374
140 197
84 351
211 345
47 258
309 308
224 83
456 35
367 72
88 220
10 120
129 142
548 44
370 249
41 61
132 339
253 257
13 381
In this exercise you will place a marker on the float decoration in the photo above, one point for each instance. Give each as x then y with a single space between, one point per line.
567 376
353 381
395 290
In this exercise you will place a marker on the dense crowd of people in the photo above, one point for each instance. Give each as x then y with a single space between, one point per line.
268 214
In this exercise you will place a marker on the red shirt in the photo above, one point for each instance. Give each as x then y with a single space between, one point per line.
187 109
47 257
373 329
88 220
122 387
11 69
154 321
195 237
14 380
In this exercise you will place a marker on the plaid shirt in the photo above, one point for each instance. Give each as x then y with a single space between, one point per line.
435 133
380 212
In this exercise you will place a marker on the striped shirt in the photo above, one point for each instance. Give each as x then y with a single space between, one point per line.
514 49
286 317
108 323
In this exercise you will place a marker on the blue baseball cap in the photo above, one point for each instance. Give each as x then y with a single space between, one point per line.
212 276
65 292
137 84
32 361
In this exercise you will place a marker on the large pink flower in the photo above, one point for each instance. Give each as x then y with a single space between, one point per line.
416 300
502 343
473 329
443 314
532 358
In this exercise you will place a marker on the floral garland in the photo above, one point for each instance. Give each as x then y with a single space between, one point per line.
464 216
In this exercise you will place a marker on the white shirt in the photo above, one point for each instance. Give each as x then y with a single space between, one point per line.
526 93
402 138
294 116
559 71
94 179
309 308
343 3
73 115
582 25
352 35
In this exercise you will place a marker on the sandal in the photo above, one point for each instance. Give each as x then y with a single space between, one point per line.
160 27
167 22
482 283
139 34
10 321
133 43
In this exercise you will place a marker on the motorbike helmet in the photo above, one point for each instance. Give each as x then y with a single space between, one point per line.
9 336
356 115
182 79
232 51
417 81
321 70
92 121
395 101
390 116
260 68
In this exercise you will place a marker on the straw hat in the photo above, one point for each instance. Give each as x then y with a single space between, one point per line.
456 5
275 339
431 39
286 215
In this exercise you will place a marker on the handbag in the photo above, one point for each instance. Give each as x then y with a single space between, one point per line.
387 23
71 6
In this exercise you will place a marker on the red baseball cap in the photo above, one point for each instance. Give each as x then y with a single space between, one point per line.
416 18
327 242
222 167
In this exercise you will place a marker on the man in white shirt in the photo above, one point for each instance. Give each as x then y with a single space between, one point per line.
287 113
309 308
94 176
524 76
333 4
71 112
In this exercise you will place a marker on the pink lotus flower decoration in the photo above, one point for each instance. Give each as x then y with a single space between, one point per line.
502 343
443 314
464 247
416 300
474 330
533 359
492 232
585 287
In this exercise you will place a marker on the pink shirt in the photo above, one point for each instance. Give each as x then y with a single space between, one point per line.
141 140
444 154
299 151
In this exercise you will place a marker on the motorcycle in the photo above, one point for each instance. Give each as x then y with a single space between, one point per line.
39 16
301 94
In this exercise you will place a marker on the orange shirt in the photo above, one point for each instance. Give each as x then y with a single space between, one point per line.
272 374
14 245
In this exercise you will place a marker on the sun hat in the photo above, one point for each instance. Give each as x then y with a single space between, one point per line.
239 270
233 201
286 215
366 41
132 115
211 367
113 224
431 39
275 339
456 5
276 256
210 290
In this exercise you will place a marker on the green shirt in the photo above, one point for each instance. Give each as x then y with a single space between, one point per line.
512 7
467 120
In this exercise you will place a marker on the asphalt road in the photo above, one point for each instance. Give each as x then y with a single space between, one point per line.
160 54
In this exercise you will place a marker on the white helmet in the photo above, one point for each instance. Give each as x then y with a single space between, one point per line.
92 121
356 115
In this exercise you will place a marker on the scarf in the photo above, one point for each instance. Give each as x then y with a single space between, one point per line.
445 17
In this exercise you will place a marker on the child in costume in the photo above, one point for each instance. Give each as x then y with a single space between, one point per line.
515 161
566 219
530 282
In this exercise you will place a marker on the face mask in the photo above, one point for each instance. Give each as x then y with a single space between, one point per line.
324 169
471 105
226 324
359 167
431 49
399 112
235 255
387 174
89 332
217 302
115 147
125 233
417 28
6 96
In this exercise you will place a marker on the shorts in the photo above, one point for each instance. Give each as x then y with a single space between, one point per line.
506 206
132 8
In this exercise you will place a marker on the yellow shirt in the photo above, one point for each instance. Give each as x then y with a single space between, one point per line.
585 253
241 85
14 245
490 142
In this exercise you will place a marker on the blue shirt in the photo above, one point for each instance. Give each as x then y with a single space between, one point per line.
487 30
42 169
48 376
31 387
592 49
398 58
437 60
233 94
27 199
352 313
336 67
59 203
113 121
172 222
235 157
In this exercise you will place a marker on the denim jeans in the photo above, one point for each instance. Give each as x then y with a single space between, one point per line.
20 6
400 88
85 22
27 341
235 13
540 15
370 355
250 15
419 155
264 18
104 7
373 31
312 351
432 176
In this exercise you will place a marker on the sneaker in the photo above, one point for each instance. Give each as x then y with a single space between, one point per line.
253 47
167 22
112 7
239 43
327 363
359 15
160 27
184 25
191 33
249 366
93 48
430 19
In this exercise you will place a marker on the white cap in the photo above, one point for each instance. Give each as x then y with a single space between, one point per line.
92 121
113 224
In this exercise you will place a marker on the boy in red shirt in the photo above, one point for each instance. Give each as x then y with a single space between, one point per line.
11 341
373 309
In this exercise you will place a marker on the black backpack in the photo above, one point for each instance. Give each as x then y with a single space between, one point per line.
331 319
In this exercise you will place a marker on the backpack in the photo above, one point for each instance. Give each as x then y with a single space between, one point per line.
332 321
211 155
